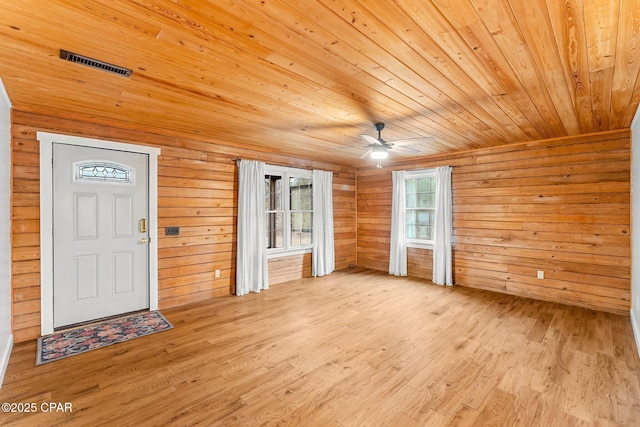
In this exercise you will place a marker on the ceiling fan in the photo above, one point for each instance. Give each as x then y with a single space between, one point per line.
379 148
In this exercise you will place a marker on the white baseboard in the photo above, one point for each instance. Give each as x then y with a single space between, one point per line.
4 356
635 325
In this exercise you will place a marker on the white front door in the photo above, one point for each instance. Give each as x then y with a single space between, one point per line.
100 233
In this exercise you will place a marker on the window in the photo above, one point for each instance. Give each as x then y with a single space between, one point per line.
275 211
289 209
101 171
420 195
301 207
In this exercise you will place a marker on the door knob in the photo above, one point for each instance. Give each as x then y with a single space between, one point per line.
144 240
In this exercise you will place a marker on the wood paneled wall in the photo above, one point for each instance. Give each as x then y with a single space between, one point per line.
284 269
559 205
197 192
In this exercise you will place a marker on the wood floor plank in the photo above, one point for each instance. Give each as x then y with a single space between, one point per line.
500 410
357 347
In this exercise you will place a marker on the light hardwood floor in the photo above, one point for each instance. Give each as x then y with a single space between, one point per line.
356 348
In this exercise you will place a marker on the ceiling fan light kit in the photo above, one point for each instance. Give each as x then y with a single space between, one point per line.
379 152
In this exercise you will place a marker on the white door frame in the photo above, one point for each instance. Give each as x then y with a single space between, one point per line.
46 216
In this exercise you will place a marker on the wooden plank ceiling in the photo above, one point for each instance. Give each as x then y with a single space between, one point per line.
308 77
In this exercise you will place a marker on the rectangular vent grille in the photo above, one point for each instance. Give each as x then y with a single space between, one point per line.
94 63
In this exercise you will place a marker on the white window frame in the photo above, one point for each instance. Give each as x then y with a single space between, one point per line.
422 173
286 173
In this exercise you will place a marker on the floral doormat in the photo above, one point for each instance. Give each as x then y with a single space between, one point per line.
90 337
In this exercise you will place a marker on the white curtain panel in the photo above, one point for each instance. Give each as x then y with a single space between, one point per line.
442 265
251 259
398 248
323 256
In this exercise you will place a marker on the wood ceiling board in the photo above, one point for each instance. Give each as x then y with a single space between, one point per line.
503 27
471 73
433 100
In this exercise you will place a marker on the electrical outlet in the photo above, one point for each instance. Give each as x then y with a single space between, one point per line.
540 274
172 231
217 273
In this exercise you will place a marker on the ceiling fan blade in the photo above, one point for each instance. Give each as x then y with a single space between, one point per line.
370 139
366 154
411 141
405 149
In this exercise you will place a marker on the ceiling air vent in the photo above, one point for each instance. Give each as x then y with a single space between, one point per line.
94 63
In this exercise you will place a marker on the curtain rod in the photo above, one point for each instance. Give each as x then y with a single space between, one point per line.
237 160
413 170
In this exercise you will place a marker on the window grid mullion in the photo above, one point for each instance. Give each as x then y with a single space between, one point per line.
287 208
